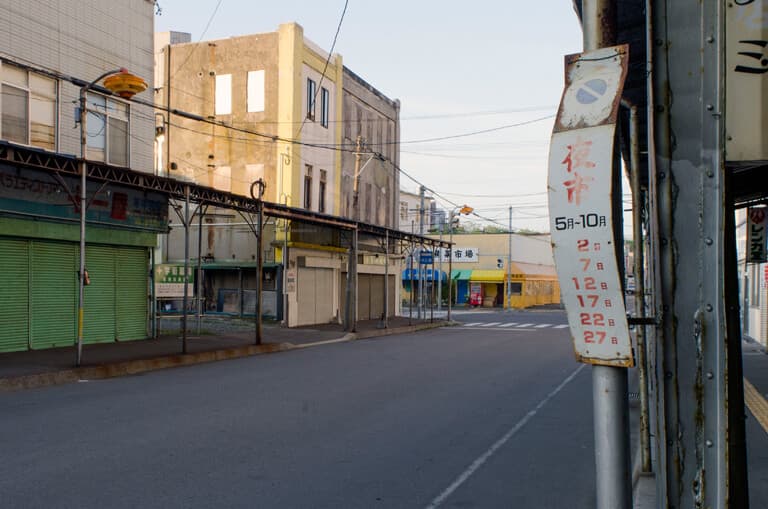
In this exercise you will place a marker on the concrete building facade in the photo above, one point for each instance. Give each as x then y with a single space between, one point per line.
49 52
272 106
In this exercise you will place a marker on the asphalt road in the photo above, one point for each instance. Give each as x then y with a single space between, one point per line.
473 416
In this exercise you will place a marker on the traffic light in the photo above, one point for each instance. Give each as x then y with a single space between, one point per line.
499 263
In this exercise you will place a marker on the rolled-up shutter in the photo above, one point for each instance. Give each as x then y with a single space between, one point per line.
99 307
53 294
14 295
132 307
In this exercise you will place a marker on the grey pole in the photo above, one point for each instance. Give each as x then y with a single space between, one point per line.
83 210
450 264
609 383
410 281
440 270
642 349
198 277
259 257
186 271
386 277
422 274
432 289
509 263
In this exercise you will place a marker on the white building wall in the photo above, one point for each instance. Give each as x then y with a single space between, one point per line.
83 39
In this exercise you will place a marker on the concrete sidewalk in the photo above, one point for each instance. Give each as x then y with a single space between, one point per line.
39 368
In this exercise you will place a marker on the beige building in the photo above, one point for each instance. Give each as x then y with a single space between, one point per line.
410 212
276 107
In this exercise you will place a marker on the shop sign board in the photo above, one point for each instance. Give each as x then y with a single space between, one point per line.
169 281
757 221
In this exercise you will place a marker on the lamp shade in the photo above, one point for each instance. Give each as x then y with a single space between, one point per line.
125 84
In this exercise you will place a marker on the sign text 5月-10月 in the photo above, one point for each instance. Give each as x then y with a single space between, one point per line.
581 221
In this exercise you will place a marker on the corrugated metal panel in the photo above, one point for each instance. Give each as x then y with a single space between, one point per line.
53 294
99 306
14 295
132 307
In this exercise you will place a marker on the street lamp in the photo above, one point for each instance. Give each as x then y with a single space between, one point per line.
464 209
126 85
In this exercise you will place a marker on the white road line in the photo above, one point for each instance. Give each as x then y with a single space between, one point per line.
472 324
542 325
509 324
561 326
490 324
499 443
525 325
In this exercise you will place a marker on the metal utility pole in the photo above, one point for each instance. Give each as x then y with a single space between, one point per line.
509 264
422 274
609 383
440 270
259 257
352 261
187 220
199 277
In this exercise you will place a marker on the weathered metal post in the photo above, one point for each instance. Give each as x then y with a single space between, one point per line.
639 266
186 271
609 383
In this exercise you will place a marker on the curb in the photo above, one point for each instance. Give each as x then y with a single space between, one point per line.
135 367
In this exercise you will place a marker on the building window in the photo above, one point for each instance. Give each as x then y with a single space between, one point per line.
325 99
311 90
223 104
108 130
255 99
403 211
308 187
28 107
321 191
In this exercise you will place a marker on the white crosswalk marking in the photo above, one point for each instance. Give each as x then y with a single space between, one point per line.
508 324
542 325
525 325
561 326
472 324
490 324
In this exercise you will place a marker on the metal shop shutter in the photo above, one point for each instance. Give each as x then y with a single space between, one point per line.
53 294
132 307
99 312
14 295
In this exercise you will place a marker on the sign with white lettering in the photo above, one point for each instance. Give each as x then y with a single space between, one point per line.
757 221
580 207
169 281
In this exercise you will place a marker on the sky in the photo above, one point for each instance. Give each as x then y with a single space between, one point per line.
457 68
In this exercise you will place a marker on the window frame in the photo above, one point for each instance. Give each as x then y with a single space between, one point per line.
311 90
112 105
325 104
308 186
321 191
31 94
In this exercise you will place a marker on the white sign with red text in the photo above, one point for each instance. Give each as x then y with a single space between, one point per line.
580 211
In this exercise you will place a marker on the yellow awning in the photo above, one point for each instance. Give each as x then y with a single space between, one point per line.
488 276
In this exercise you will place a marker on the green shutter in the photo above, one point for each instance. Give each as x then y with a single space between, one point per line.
14 295
53 294
99 306
132 307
